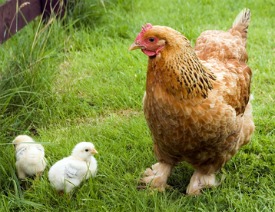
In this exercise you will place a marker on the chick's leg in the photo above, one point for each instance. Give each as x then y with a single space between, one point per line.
199 181
38 175
156 177
20 173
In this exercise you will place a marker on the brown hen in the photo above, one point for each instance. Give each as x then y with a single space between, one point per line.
197 100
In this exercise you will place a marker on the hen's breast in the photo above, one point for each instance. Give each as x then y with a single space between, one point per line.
193 130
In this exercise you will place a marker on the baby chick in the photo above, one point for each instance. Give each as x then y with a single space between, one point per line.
69 172
30 157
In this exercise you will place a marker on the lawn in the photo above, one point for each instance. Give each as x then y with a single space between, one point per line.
74 80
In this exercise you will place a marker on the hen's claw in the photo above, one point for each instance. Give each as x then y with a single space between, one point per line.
156 177
199 181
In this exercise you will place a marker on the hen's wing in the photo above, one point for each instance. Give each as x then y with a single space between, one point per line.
224 53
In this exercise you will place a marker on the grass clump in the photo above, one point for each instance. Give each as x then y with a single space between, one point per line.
74 80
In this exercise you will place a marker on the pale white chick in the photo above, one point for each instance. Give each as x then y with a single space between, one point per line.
69 172
30 157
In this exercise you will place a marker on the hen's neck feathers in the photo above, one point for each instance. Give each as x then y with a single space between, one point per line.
178 69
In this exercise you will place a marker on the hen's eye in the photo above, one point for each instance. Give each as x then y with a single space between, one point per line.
86 150
151 39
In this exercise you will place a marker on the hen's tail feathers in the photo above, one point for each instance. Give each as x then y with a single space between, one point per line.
241 23
243 18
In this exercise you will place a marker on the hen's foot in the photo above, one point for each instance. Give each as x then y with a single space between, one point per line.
199 181
156 177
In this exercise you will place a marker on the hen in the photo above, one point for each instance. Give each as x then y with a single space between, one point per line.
197 100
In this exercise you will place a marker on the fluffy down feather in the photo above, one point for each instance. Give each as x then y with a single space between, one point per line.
30 157
197 100
69 172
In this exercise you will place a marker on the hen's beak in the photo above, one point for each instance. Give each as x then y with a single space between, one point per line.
135 46
94 151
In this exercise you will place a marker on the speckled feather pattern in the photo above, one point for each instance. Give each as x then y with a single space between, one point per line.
197 100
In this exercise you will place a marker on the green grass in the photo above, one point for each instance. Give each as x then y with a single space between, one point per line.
75 80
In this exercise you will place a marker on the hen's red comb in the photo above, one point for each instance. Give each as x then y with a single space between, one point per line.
146 27
143 30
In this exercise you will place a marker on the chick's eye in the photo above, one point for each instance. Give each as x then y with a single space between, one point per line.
151 40
86 150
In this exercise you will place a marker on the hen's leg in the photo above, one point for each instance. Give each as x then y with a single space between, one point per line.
157 176
199 181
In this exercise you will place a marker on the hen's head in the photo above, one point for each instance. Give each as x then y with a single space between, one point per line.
154 39
84 150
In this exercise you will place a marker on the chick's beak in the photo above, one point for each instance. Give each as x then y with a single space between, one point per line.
135 46
94 151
